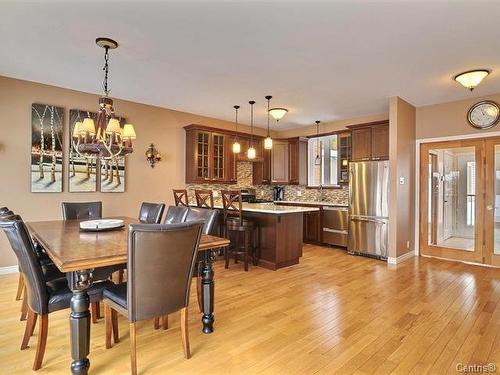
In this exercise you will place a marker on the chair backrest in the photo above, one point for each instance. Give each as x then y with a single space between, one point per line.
208 215
176 214
181 197
161 260
20 241
82 210
204 198
3 210
232 204
151 213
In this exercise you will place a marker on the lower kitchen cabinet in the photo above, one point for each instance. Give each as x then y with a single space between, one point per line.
312 226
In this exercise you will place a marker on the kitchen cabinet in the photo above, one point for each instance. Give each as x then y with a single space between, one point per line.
208 157
312 227
262 170
280 159
297 161
344 149
370 141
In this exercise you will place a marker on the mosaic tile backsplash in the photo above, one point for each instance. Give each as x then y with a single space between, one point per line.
292 192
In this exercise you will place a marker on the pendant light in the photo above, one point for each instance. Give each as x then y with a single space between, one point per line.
318 146
268 142
251 153
236 144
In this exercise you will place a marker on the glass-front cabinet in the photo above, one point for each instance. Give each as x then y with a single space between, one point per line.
208 157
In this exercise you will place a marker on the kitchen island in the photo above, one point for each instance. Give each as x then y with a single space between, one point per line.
280 232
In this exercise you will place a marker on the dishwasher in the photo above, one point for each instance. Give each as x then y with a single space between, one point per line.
335 225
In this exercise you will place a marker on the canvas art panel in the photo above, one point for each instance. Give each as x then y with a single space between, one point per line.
83 170
46 148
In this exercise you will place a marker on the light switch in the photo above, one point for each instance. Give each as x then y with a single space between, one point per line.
401 180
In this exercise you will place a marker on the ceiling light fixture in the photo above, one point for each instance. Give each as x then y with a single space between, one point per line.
318 144
251 153
236 144
471 78
278 113
107 140
268 142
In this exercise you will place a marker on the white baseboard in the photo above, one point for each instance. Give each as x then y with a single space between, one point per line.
8 270
401 258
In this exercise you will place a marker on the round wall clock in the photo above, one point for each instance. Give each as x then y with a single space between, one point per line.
484 115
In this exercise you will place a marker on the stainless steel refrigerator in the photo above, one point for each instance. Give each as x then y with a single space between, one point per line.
368 208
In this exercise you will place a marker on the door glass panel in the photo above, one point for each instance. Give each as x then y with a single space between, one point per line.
452 198
496 217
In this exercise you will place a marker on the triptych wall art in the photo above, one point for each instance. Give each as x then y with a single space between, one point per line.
85 174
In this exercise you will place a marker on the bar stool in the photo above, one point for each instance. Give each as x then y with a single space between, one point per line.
181 197
204 198
235 223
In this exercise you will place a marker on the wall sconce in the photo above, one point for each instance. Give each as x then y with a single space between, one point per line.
152 155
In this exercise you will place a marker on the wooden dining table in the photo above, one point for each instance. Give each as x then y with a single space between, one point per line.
78 253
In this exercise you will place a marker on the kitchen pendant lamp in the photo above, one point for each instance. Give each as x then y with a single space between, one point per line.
268 142
318 145
236 144
251 153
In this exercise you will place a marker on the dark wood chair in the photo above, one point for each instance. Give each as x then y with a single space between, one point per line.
161 260
235 224
204 198
42 296
181 197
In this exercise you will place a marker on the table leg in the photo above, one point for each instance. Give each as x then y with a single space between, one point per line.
207 286
79 321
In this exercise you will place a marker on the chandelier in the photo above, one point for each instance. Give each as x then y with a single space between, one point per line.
107 140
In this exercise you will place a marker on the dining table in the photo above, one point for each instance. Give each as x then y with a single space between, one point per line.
78 253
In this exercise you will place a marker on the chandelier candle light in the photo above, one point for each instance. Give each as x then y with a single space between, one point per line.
268 142
106 141
251 153
236 144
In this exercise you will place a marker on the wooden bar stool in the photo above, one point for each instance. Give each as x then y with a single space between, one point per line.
181 197
204 198
235 223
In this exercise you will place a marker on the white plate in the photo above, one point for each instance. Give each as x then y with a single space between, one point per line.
101 224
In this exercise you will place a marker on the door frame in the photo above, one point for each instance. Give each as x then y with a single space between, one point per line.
418 142
475 256
489 214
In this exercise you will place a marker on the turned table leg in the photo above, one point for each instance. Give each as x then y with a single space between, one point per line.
207 286
79 321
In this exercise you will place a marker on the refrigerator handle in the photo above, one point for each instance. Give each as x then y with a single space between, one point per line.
369 220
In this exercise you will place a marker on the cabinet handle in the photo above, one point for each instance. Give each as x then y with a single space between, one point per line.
364 159
378 158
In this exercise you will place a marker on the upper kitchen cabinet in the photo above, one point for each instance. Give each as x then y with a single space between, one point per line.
298 161
208 156
262 170
284 164
370 141
280 159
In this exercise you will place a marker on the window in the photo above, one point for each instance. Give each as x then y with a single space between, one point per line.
322 161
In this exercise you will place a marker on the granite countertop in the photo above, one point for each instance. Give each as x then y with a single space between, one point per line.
315 203
271 208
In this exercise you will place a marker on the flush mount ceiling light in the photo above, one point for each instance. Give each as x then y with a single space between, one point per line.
278 113
108 140
471 78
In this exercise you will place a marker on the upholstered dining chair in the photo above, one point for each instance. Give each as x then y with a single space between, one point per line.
82 210
181 197
42 296
151 213
176 214
91 211
161 259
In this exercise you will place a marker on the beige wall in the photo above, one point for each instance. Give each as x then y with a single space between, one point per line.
401 164
153 124
330 126
449 119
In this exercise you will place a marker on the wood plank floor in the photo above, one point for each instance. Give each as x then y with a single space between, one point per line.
333 313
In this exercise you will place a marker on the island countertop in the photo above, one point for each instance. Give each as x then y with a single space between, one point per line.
271 208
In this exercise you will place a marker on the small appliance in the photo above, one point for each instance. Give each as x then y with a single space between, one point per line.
278 193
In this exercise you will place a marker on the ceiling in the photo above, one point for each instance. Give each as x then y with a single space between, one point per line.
324 60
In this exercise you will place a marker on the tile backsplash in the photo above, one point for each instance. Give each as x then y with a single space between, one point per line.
292 192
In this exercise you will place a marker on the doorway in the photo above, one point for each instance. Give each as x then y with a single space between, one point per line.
455 177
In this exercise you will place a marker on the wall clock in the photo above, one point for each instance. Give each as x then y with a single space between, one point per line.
484 114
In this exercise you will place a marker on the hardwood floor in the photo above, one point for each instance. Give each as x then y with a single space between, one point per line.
332 313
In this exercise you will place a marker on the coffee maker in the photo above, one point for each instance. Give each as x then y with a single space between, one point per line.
278 193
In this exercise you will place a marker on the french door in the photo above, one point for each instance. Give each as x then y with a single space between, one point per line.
460 200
